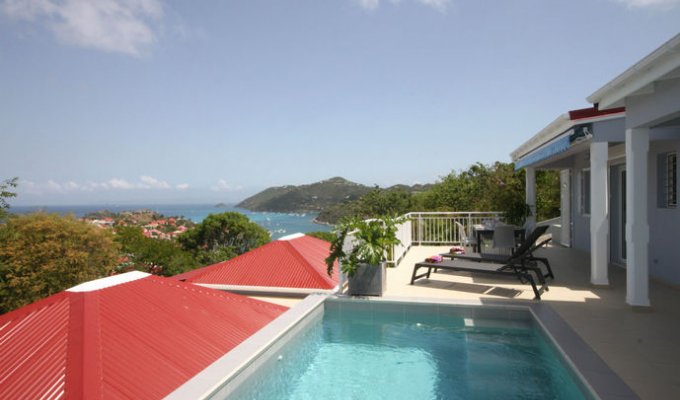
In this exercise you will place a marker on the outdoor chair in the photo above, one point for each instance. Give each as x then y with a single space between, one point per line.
504 238
465 240
521 272
523 254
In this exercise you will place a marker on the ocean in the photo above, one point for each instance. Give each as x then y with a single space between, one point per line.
278 224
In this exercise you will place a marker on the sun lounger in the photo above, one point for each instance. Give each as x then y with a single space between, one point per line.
521 256
516 271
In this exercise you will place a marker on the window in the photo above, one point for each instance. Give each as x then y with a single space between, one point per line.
585 191
671 181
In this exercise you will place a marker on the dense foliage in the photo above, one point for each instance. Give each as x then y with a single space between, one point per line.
223 236
159 257
495 187
391 201
547 195
327 236
42 254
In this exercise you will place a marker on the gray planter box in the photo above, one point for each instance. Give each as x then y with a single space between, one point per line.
369 280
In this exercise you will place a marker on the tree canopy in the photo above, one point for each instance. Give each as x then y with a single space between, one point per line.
159 257
494 187
42 254
223 236
327 236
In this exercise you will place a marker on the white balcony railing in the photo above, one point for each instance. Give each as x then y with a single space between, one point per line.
436 228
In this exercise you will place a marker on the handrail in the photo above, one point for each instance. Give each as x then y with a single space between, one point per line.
436 228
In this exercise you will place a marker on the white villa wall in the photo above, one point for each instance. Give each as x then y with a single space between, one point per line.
613 130
664 223
653 108
580 221
664 248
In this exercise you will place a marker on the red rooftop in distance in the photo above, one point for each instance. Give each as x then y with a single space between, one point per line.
134 336
295 263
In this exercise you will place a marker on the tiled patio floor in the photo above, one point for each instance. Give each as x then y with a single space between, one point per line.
642 347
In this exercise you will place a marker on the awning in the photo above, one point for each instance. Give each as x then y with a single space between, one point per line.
573 136
556 147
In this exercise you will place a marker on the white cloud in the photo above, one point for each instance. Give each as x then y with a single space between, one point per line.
123 26
54 186
117 183
223 186
29 187
149 182
369 4
145 183
439 5
650 3
70 185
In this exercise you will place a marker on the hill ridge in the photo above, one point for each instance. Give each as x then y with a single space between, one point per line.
305 198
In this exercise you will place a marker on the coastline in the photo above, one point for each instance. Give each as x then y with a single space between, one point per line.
277 223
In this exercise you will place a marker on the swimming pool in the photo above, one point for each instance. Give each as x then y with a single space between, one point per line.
372 353
340 348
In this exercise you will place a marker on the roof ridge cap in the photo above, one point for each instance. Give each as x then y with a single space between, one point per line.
319 278
83 374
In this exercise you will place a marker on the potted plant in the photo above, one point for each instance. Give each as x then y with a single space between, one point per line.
363 259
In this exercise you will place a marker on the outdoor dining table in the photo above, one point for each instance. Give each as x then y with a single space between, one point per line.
487 232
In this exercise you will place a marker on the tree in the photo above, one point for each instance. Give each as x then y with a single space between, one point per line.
156 256
42 254
327 236
6 192
496 187
547 194
379 202
220 237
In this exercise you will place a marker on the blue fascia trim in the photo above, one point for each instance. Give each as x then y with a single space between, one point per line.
558 146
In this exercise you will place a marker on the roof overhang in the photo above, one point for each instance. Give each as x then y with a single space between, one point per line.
556 146
639 78
550 132
560 135
268 290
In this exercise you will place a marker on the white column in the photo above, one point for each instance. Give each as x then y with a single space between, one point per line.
531 197
599 223
637 227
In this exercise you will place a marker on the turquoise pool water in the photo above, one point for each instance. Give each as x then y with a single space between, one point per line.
383 354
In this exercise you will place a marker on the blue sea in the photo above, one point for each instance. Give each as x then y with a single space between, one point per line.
278 224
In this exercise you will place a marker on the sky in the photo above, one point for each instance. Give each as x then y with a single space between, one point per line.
151 101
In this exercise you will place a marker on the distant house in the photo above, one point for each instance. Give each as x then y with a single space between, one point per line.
102 223
293 266
619 173
134 336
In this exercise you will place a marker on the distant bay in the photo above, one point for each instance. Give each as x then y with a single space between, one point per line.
279 224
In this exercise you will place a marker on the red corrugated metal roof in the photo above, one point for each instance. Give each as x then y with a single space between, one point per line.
594 112
140 339
298 262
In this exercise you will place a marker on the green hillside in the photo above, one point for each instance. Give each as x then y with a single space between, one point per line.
313 197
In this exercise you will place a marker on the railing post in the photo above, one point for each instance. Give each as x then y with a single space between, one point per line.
469 225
